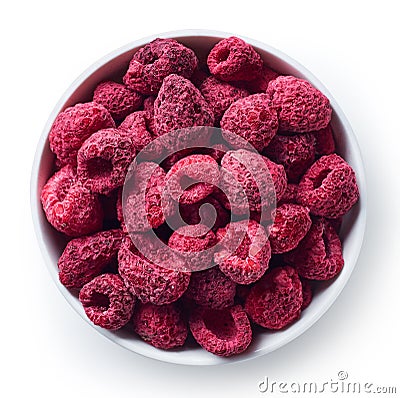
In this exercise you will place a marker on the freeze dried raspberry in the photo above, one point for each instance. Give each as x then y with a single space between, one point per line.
329 187
162 326
222 332
217 151
73 126
279 177
324 141
199 75
290 194
103 160
290 226
296 153
336 223
245 252
180 105
211 288
300 106
118 99
86 257
275 301
192 178
252 119
148 105
220 95
319 254
70 207
107 302
148 281
260 83
155 61
307 293
233 59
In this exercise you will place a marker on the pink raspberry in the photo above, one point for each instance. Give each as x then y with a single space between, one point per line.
245 252
290 194
233 59
252 119
107 302
162 326
118 99
222 332
300 106
329 187
275 301
155 61
73 126
103 160
260 83
307 293
70 207
86 257
324 141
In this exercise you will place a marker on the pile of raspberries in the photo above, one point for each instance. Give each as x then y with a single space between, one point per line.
268 278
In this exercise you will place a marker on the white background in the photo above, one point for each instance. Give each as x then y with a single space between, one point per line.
352 47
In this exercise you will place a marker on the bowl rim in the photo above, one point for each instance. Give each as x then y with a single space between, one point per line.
168 356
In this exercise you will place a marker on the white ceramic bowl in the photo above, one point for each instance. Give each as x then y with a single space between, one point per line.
51 243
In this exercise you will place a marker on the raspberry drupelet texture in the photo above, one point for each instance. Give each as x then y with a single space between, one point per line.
252 119
300 106
222 332
107 302
233 59
180 105
307 293
319 255
162 326
85 258
118 99
324 141
245 252
329 187
70 207
290 194
260 83
73 126
275 301
290 226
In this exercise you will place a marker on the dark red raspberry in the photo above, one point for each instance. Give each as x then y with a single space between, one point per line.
233 59
162 326
307 293
329 187
155 61
70 207
324 141
245 252
290 194
86 257
242 291
211 288
180 105
222 332
336 223
148 281
148 105
220 95
296 153
103 160
275 301
319 254
290 226
300 106
260 83
118 99
252 119
107 302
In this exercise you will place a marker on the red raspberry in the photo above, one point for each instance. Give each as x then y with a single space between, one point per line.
103 160
290 194
180 105
107 302
252 119
279 177
211 288
84 258
319 254
275 301
220 95
73 126
217 151
296 153
155 61
260 83
222 332
300 106
162 326
291 225
324 141
148 105
233 59
329 187
245 252
118 99
70 207
307 293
